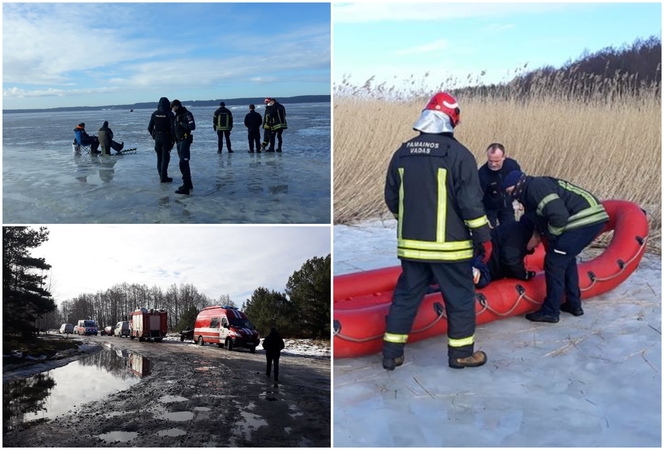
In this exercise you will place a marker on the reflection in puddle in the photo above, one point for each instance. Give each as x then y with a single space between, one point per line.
171 432
250 422
120 436
178 416
65 389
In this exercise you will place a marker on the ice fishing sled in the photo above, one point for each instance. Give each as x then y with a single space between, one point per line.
362 299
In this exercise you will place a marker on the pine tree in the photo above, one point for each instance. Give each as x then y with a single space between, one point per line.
309 290
24 298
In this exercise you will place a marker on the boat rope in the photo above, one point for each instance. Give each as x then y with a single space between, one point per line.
522 295
621 264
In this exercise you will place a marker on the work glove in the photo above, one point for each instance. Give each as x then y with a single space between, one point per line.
484 250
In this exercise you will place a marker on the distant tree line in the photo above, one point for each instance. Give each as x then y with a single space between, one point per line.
629 70
302 310
194 103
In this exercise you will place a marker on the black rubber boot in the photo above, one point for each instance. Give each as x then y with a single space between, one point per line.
182 190
392 363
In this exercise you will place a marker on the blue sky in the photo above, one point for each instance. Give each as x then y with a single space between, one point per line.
394 41
221 259
93 54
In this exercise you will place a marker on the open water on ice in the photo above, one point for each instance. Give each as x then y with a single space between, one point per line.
44 182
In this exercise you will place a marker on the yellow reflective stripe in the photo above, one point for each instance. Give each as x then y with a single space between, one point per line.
545 201
577 190
395 338
429 245
442 205
461 342
401 195
555 231
476 223
435 256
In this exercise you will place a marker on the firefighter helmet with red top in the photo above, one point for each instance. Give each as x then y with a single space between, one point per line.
447 104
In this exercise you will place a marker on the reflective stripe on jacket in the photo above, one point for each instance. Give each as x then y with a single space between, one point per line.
433 189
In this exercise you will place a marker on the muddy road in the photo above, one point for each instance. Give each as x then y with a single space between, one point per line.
192 396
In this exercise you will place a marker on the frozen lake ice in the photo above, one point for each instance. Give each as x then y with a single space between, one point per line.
44 182
589 381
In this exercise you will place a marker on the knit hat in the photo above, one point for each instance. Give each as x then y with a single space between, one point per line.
222 104
512 179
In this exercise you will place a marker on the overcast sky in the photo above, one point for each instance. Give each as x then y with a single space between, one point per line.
394 41
220 259
93 54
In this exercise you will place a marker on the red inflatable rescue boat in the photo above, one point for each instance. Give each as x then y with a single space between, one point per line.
362 300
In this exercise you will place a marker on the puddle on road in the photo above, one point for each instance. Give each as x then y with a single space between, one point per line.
172 399
119 436
172 432
178 416
65 389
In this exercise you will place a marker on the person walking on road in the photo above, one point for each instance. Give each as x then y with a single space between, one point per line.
253 122
183 125
160 128
222 122
273 345
433 190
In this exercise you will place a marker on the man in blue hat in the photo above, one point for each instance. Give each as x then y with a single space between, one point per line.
569 218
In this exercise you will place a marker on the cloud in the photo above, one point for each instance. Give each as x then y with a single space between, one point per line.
430 12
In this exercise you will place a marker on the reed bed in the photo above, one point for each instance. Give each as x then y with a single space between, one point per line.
607 141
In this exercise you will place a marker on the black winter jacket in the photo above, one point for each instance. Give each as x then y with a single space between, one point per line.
509 250
273 343
183 124
433 189
222 119
161 121
490 181
253 121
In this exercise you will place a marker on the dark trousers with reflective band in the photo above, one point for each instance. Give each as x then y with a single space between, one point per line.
163 146
456 285
221 135
562 276
184 154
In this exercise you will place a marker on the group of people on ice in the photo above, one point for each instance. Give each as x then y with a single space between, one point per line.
457 228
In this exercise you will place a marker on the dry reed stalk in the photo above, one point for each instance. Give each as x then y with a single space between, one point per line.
611 148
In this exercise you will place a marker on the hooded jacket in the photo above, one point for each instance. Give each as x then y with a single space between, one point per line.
105 135
273 343
161 121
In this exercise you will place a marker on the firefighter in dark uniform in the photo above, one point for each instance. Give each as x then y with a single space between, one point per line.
433 190
277 120
569 219
510 244
183 125
266 125
222 122
161 130
497 204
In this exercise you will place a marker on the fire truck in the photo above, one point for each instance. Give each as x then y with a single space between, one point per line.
148 324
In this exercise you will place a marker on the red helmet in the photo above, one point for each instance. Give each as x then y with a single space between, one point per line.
268 100
447 104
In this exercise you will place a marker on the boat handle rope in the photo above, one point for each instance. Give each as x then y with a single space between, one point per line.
621 264
440 312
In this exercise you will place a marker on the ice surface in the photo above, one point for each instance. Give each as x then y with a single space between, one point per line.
44 182
589 381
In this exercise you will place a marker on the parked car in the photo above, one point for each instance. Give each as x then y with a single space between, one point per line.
107 331
122 329
66 328
187 334
86 327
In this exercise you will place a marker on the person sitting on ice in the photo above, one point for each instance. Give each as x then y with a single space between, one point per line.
106 141
511 242
83 138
